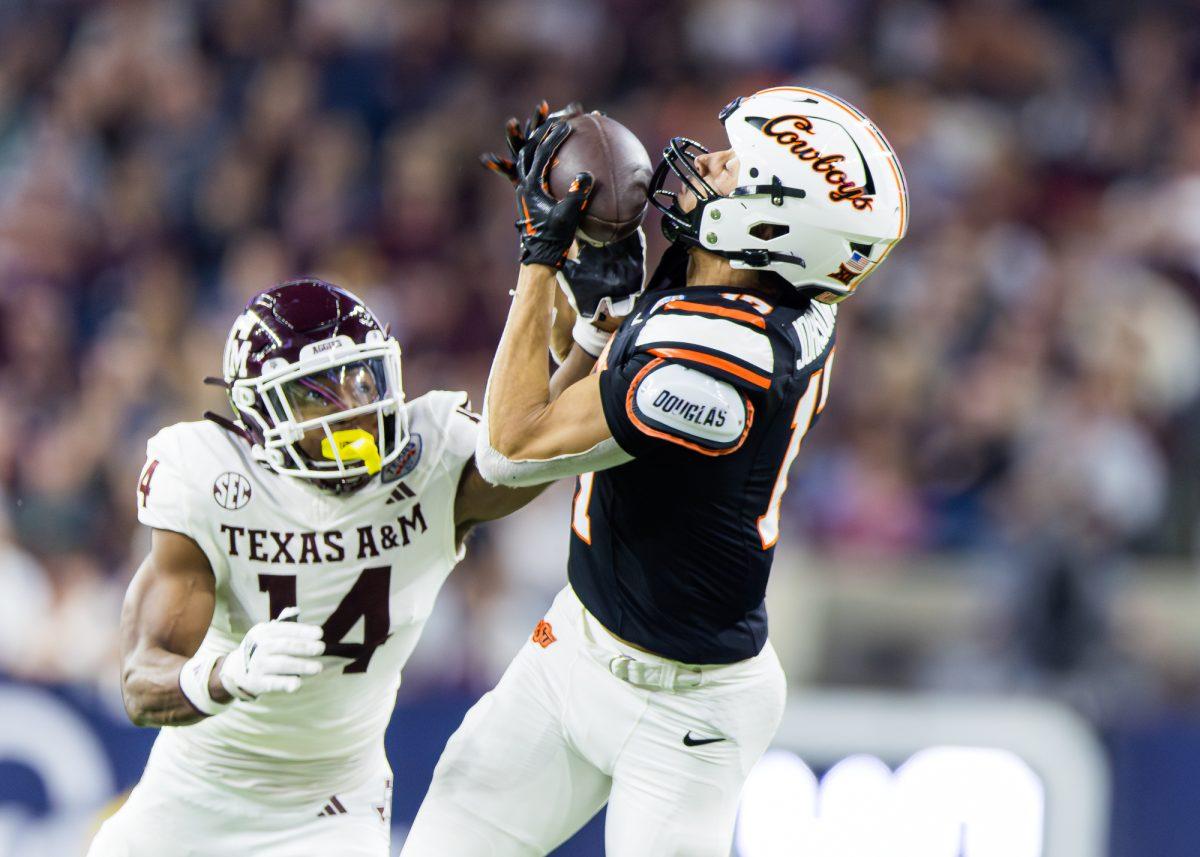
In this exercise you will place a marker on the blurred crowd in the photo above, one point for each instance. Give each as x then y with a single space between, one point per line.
1020 382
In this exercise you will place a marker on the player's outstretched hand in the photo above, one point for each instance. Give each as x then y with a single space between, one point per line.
524 138
274 656
603 282
547 226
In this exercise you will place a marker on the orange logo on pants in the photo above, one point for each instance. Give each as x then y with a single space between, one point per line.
543 634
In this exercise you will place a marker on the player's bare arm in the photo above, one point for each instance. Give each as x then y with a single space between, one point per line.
165 680
598 279
531 435
524 423
561 415
167 610
538 428
594 289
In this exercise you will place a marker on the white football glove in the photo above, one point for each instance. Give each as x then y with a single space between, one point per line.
274 656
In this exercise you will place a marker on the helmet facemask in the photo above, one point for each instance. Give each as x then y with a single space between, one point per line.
679 158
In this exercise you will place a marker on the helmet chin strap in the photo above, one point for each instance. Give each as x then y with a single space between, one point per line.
230 426
758 258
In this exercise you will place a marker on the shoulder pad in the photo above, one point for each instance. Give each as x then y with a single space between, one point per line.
195 446
178 459
447 401
726 338
679 404
443 429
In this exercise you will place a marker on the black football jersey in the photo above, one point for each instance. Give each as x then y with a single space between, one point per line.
711 391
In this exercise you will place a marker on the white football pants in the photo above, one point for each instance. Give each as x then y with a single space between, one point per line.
161 818
579 719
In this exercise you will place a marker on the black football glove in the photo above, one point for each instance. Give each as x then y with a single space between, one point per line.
547 226
524 138
604 281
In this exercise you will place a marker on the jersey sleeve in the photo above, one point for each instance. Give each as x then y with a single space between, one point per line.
462 429
163 495
449 427
687 379
726 343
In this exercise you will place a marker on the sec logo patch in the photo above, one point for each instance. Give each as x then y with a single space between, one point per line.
231 491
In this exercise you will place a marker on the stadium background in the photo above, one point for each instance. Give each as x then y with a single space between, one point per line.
1002 498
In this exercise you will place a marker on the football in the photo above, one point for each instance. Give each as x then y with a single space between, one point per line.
602 146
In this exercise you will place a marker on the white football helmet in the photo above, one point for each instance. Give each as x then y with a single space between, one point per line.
821 198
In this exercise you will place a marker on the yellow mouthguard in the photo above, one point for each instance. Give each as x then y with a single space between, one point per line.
354 445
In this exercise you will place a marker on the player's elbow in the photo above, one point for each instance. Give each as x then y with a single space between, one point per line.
515 433
497 466
136 696
500 445
136 708
504 440
140 717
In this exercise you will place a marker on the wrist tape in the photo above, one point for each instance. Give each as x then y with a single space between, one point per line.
193 681
589 337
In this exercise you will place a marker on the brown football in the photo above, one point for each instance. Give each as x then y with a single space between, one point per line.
617 160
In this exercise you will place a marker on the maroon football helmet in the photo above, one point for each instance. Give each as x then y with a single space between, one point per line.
307 355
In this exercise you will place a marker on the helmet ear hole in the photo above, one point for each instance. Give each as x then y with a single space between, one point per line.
863 249
769 231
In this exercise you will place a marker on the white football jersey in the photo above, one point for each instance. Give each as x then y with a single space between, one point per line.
366 566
